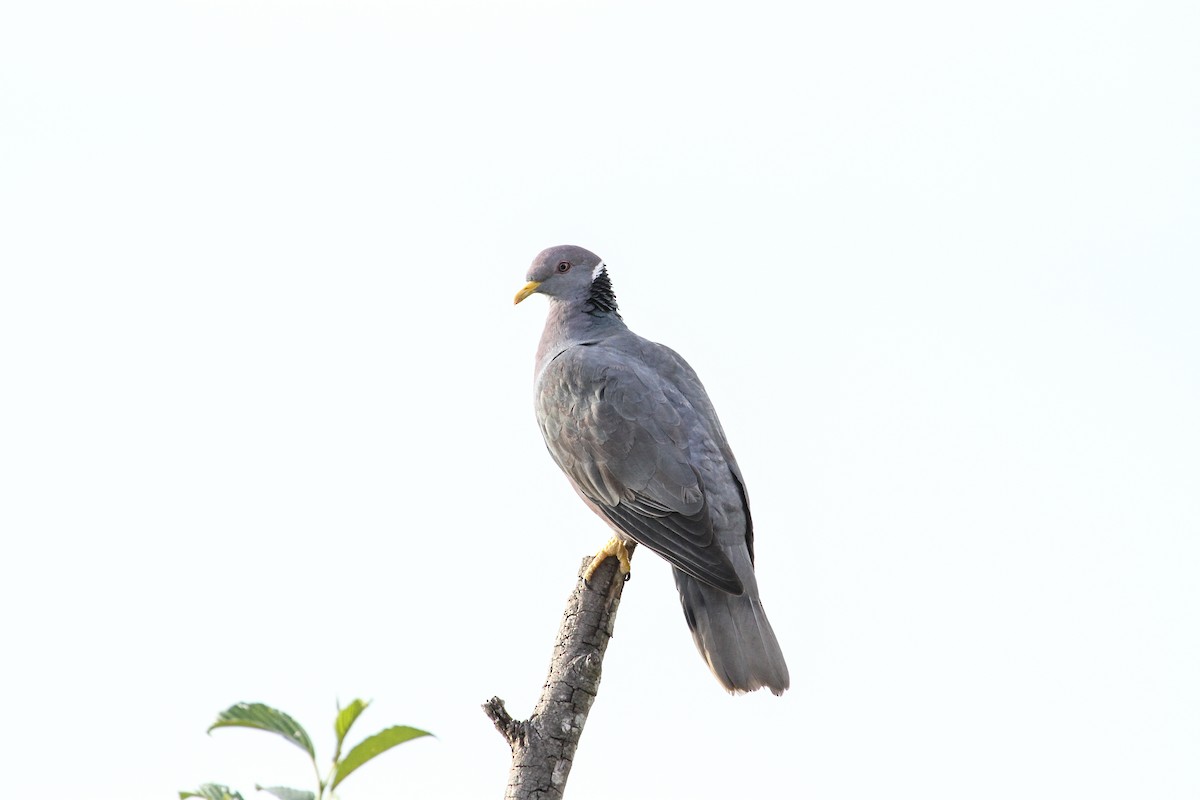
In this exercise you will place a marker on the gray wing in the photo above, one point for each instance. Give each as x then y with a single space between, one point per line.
626 436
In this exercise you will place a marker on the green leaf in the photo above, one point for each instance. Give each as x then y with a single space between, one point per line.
284 793
212 791
345 719
265 718
372 746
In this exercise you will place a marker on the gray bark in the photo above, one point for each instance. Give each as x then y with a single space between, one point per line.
543 746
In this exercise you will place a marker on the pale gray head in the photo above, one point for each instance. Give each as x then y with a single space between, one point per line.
570 274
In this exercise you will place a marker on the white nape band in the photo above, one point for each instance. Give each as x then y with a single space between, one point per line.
596 272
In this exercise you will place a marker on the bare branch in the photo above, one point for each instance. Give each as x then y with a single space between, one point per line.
544 745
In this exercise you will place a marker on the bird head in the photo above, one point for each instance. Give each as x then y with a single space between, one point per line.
565 272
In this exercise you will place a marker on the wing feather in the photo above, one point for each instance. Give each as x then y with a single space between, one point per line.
625 437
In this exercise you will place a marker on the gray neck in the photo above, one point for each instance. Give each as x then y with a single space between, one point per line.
568 324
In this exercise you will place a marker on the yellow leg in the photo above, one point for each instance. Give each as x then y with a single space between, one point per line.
615 547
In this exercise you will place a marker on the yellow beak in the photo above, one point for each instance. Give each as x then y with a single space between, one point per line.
526 290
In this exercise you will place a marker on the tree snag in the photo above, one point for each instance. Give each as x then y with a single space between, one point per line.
543 746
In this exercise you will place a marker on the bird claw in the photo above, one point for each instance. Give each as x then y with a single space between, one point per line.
614 548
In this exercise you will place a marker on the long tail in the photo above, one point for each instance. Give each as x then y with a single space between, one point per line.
732 632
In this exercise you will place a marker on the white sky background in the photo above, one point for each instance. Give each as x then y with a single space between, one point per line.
267 428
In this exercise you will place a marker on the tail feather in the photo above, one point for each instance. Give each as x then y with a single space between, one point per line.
732 633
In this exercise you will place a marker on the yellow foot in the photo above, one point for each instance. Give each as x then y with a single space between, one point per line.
615 547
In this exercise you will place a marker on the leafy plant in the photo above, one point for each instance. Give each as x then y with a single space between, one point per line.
265 718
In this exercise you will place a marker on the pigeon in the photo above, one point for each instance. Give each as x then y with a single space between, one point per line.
629 423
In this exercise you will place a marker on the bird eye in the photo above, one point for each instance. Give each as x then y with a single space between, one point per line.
563 266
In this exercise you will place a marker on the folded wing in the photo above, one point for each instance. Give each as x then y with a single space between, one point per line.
630 441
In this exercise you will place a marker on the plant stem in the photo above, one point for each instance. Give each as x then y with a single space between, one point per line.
320 783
